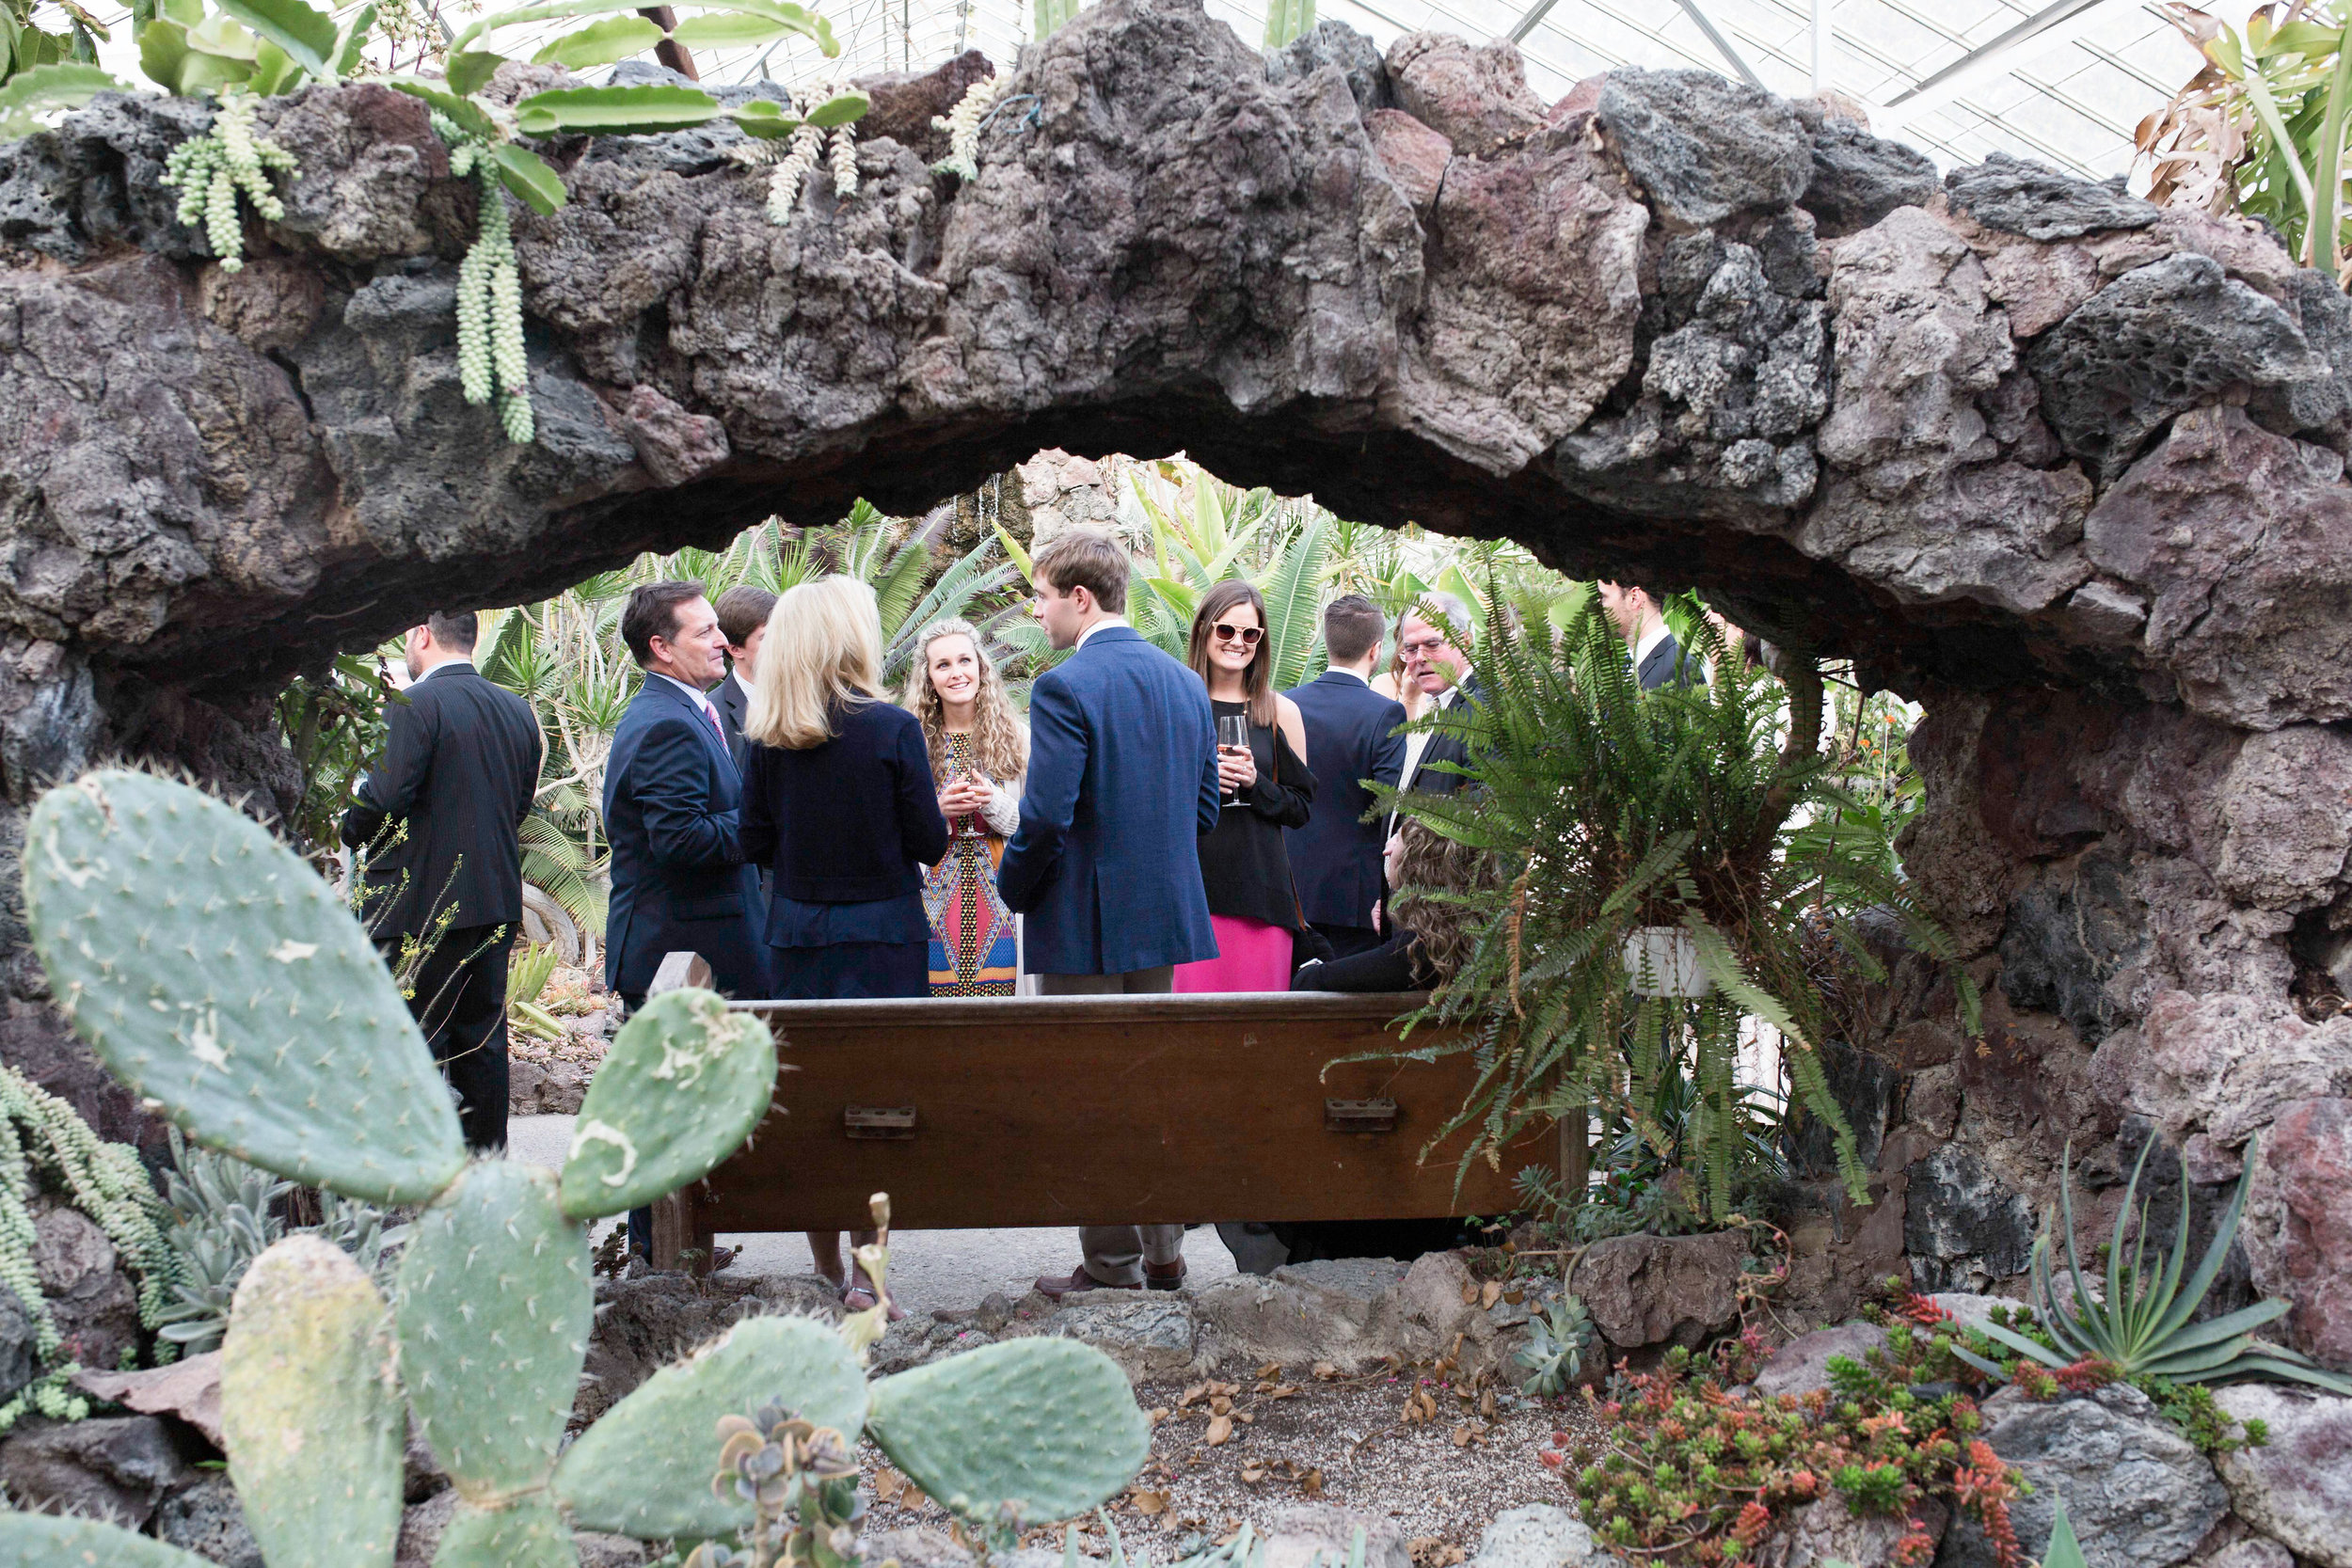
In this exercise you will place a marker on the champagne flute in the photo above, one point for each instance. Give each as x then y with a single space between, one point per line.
1233 734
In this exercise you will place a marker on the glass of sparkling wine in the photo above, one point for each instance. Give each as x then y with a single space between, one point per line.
1233 734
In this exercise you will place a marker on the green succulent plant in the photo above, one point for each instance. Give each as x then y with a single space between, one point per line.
211 970
1554 1352
2141 1323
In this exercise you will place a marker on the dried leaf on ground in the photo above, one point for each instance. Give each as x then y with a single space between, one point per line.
1492 1293
1148 1502
1220 1430
1430 1551
1324 1371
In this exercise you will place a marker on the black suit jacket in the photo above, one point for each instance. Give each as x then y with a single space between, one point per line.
1667 666
1446 746
850 821
461 763
1353 735
672 805
733 707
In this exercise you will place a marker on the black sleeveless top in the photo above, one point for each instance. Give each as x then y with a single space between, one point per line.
1244 864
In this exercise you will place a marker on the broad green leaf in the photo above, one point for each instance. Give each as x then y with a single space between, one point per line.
470 71
185 12
648 109
616 37
793 18
529 176
163 53
727 30
354 38
63 86
766 118
556 11
222 36
309 37
274 70
468 115
839 111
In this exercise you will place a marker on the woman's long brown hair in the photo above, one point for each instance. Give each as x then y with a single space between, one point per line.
1258 680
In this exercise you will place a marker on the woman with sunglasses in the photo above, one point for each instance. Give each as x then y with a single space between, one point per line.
1261 763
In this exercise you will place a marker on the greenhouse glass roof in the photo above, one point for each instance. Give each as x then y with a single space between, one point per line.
2067 91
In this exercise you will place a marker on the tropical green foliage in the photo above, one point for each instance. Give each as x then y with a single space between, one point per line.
1613 812
333 723
2141 1323
2259 128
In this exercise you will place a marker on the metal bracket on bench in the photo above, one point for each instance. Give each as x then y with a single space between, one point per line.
1359 1116
879 1121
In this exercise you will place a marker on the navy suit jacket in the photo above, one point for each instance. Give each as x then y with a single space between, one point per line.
672 810
733 712
1667 666
1123 780
1353 734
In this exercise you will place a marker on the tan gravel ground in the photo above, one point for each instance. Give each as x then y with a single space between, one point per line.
1398 1446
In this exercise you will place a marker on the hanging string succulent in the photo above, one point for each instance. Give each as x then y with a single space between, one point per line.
41 1132
490 362
962 125
823 137
210 170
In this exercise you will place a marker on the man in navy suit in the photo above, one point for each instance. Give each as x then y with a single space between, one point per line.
1637 613
672 801
743 612
1336 856
1107 865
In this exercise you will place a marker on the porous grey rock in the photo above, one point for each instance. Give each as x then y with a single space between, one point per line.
1858 178
2160 342
1960 1226
1533 1535
2297 1486
207 1519
1335 43
92 1299
2021 196
116 1467
92 182
1473 95
2138 1493
598 1549
2215 1069
2286 814
20 1349
1343 1311
1801 1365
1663 1289
1149 1334
2302 1233
1826 1532
2069 935
900 105
1415 156
915 1547
1702 146
189 1388
2242 540
2247 1551
643 1325
421 1528
1303 1534
369 176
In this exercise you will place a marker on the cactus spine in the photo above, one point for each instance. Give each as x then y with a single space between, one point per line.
311 1410
1051 17
1286 20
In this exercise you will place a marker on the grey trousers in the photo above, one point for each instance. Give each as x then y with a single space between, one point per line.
1115 1254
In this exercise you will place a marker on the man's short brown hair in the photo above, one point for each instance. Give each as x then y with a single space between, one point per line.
742 611
456 630
652 611
1085 558
1352 625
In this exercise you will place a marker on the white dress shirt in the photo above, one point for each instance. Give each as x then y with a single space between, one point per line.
700 700
1649 644
1106 621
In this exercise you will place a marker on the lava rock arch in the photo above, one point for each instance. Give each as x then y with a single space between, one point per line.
2065 468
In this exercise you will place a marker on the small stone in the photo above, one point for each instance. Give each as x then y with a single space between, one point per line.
1825 1533
1858 178
189 1389
115 1467
1660 1290
1801 1365
2021 196
19 1345
207 1519
1537 1535
1473 95
2298 1486
1315 1535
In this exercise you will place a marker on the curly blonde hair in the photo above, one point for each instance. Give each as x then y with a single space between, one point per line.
1000 747
1445 933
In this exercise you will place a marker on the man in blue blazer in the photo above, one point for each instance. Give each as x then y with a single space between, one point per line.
670 805
1107 865
1355 736
1638 613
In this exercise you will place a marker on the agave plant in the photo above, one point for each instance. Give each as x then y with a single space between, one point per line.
2141 1324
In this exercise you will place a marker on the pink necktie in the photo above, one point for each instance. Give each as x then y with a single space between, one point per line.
712 714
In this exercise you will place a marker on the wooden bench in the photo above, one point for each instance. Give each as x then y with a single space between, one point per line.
1052 1111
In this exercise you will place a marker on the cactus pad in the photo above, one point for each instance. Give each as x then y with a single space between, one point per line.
1025 1431
494 1303
645 1469
684 1084
311 1409
527 1535
46 1540
213 973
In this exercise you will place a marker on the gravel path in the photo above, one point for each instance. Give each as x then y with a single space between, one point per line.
928 1268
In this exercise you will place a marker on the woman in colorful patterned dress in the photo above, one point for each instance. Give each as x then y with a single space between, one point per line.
979 749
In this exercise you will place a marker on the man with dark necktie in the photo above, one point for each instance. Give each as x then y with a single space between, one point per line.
1355 736
439 818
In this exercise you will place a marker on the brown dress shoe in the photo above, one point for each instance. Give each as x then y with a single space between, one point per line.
1164 1276
1076 1280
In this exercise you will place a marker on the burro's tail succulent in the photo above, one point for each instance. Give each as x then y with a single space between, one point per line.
213 973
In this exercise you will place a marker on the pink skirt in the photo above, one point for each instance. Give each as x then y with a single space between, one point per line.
1251 956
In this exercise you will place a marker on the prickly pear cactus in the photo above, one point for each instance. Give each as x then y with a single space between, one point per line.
311 1409
645 1469
494 1303
527 1534
684 1084
45 1541
212 972
1030 1430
